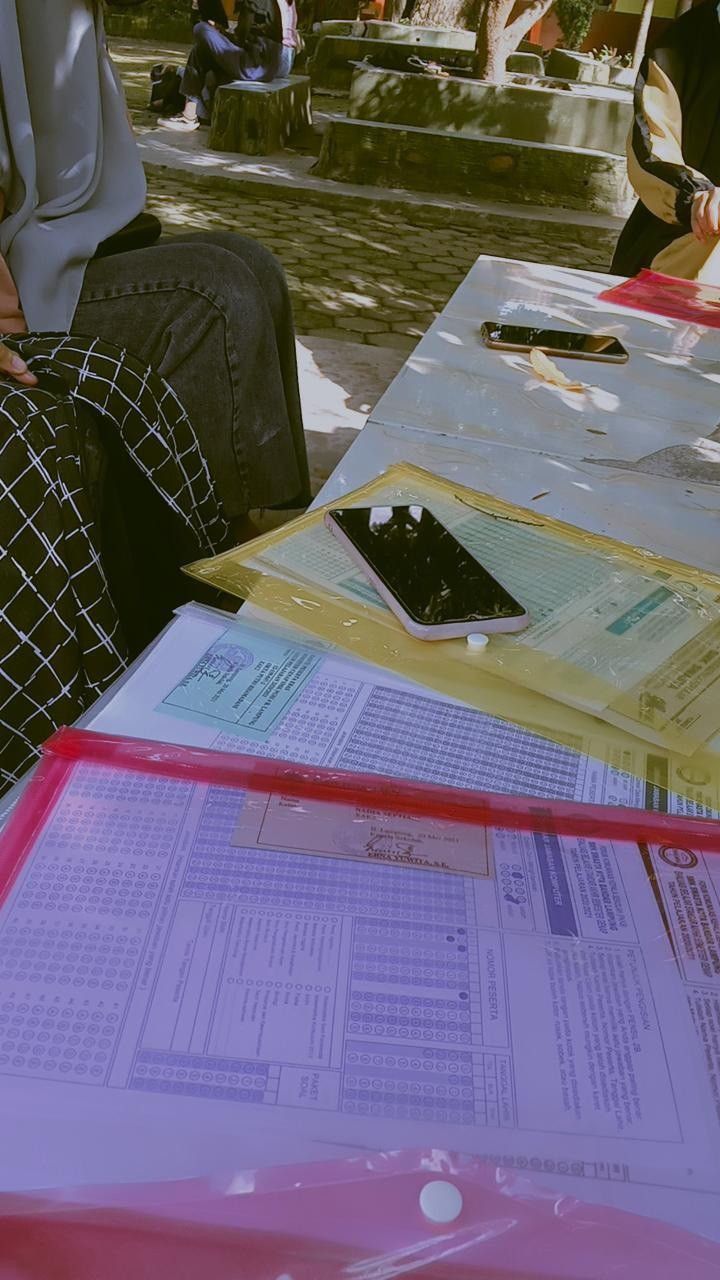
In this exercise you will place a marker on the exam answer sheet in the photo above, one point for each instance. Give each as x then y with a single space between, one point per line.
180 995
250 686
238 1000
635 644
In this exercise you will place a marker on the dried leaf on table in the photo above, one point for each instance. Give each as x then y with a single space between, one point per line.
544 494
546 369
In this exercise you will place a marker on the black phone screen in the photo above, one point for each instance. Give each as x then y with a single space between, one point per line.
555 340
427 570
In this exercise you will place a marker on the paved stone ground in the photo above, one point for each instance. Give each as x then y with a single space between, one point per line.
356 276
346 281
366 278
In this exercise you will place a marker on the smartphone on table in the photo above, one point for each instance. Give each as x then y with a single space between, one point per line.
431 582
554 342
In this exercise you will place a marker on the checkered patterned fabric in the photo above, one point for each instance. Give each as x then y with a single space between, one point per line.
60 641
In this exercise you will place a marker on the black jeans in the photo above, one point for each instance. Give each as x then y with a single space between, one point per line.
211 313
216 59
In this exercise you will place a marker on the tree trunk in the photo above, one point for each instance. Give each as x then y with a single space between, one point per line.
498 36
493 44
439 13
643 32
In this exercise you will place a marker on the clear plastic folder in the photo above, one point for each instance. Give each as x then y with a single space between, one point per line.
214 963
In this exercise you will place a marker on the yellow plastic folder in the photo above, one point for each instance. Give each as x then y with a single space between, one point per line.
623 646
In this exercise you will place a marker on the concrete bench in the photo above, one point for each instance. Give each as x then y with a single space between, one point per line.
256 119
486 168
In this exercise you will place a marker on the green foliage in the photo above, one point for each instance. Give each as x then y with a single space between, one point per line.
575 17
609 54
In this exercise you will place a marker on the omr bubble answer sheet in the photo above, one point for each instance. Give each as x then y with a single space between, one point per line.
246 686
182 996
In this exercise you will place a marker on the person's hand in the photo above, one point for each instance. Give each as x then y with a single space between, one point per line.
705 214
12 366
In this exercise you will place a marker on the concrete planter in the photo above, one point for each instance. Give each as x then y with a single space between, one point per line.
332 62
496 169
624 77
400 33
566 64
526 64
476 109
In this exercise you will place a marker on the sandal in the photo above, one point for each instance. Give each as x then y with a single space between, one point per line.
428 68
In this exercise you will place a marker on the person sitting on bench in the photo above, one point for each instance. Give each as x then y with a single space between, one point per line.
261 48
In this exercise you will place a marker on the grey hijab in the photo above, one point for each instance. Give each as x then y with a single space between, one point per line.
69 168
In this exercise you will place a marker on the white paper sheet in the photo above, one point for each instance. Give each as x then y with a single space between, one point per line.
359 717
192 1001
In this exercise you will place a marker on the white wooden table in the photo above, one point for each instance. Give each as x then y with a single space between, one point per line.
636 456
670 517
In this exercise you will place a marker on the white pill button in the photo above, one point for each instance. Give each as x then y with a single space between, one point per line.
477 641
441 1202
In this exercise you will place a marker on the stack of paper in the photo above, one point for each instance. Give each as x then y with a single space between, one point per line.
197 976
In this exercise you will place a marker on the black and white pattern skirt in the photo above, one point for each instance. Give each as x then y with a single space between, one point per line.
61 642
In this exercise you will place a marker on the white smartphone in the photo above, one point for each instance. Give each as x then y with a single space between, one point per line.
434 586
554 342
